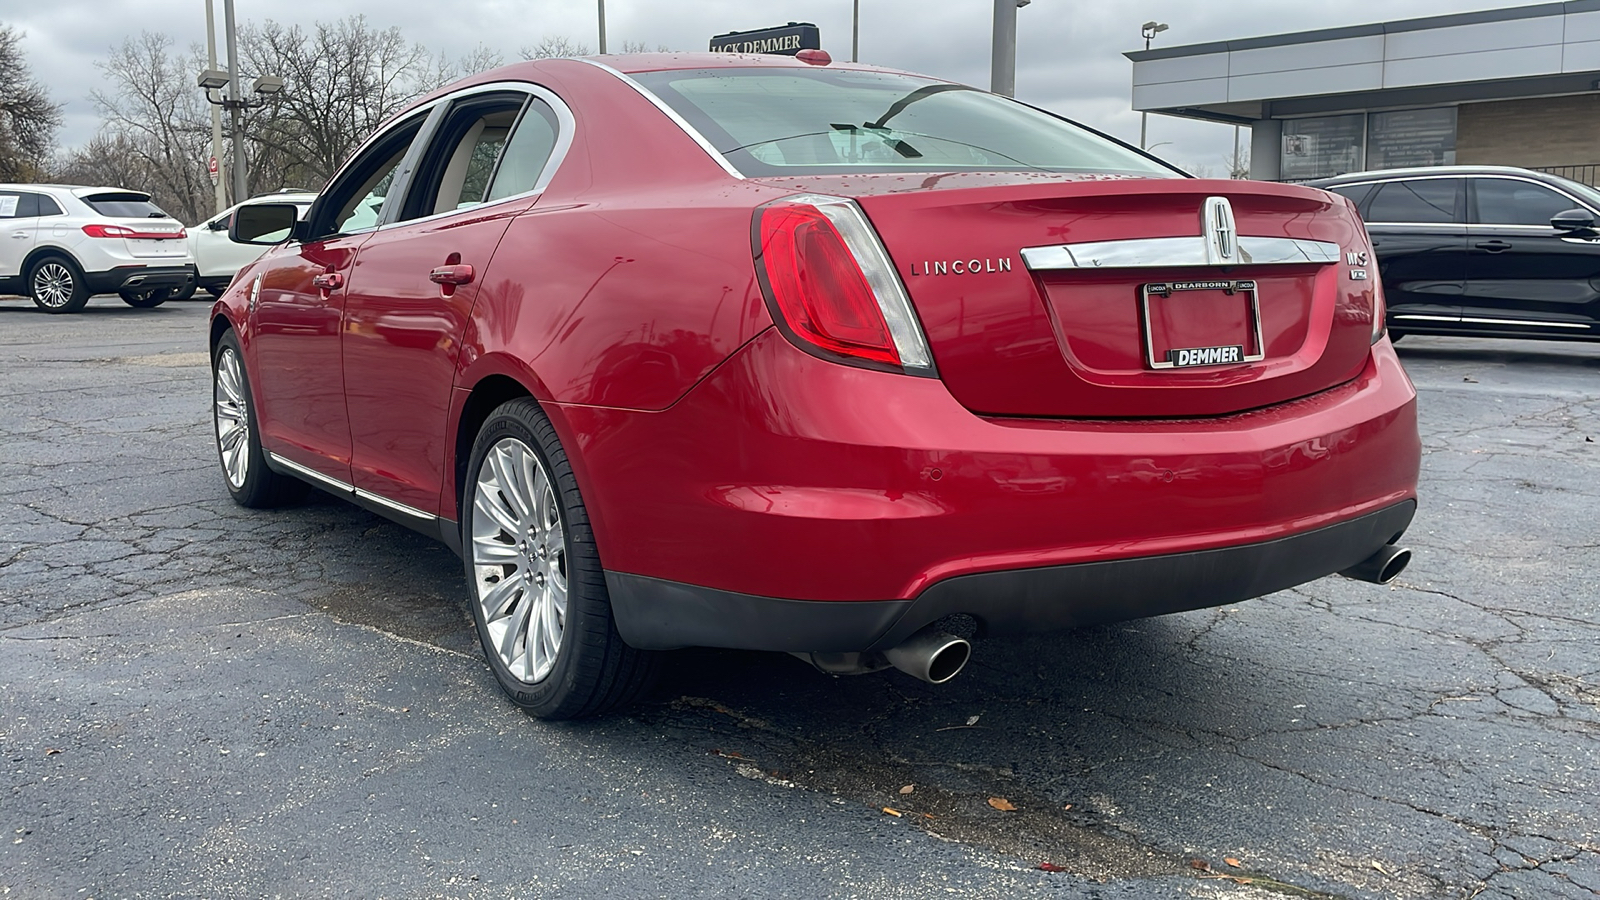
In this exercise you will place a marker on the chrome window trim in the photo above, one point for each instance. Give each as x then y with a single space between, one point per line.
1193 250
328 481
565 121
672 114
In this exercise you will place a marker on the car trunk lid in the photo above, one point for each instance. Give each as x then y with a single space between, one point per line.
1104 297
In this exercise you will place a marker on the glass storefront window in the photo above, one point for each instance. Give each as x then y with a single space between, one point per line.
1323 147
1412 137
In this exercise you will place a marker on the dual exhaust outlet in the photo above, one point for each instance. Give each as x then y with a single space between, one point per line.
936 656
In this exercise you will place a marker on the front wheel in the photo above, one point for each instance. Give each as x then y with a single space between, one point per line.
538 592
147 298
244 463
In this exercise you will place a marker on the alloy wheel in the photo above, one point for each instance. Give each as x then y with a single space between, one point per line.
519 559
232 414
52 285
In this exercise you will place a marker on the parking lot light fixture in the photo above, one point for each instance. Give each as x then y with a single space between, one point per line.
267 85
212 79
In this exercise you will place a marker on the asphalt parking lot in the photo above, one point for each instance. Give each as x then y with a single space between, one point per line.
198 700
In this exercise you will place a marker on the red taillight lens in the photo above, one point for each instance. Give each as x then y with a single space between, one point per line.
107 231
818 287
122 231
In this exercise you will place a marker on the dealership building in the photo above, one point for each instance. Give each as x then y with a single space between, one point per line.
1518 87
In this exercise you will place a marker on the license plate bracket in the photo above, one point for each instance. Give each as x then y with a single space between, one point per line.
1164 344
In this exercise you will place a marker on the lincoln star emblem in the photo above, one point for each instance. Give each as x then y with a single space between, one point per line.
1220 232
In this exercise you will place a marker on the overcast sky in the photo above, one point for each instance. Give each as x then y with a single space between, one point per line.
1069 52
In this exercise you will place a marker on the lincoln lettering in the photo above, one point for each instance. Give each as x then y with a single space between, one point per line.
1206 356
961 266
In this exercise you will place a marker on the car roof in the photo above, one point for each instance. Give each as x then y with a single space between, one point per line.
1434 171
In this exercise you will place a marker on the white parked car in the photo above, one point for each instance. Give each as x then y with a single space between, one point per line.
61 244
218 259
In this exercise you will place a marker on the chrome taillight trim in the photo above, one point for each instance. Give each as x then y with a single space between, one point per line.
1192 250
873 261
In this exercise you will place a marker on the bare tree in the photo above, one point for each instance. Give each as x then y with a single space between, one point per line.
341 81
154 114
28 120
108 159
641 47
555 46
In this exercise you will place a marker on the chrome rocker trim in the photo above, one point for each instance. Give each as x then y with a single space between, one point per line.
327 482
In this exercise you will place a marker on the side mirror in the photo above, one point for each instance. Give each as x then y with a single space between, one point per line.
263 223
1573 220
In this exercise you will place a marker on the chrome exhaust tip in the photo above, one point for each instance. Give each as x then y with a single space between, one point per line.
932 656
1381 567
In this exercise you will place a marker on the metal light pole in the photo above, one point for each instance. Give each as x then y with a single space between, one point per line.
1148 30
602 26
241 175
855 31
1003 57
218 185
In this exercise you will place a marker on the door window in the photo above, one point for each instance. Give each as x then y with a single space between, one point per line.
527 153
1417 201
1355 193
489 147
357 201
18 205
1507 201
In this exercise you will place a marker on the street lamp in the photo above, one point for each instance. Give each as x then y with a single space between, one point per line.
1148 31
1003 57
213 80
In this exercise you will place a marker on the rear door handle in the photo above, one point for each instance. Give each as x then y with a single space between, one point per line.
329 281
1493 246
457 274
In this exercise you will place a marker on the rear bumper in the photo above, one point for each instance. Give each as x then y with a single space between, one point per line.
138 278
652 614
784 476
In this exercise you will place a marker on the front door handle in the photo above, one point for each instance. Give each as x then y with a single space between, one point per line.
456 274
1493 246
329 281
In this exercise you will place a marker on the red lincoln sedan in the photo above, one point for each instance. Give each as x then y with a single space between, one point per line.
777 354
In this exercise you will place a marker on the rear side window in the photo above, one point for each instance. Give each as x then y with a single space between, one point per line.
124 206
1506 201
794 121
524 158
49 207
1424 201
1355 193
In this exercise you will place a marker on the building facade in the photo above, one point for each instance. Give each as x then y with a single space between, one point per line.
1518 87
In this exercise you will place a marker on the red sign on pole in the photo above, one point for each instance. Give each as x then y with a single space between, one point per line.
214 169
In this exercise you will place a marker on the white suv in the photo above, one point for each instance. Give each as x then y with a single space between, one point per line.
61 244
218 259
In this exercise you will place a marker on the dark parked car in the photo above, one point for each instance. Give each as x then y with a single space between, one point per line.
1482 250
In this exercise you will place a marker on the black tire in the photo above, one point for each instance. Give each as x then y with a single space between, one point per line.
57 285
147 298
253 485
215 292
184 293
1395 336
593 670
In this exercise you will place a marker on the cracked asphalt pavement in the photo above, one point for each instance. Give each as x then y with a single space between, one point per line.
199 700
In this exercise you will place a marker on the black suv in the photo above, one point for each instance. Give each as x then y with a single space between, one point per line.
1482 250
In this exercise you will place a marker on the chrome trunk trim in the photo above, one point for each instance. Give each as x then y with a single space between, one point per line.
1196 250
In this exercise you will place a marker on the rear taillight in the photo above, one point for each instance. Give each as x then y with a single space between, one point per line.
832 287
107 231
122 231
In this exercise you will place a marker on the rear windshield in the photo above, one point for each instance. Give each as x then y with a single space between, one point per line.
818 121
124 206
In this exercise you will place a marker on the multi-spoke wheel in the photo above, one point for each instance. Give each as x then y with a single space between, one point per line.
538 592
57 286
244 464
519 559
